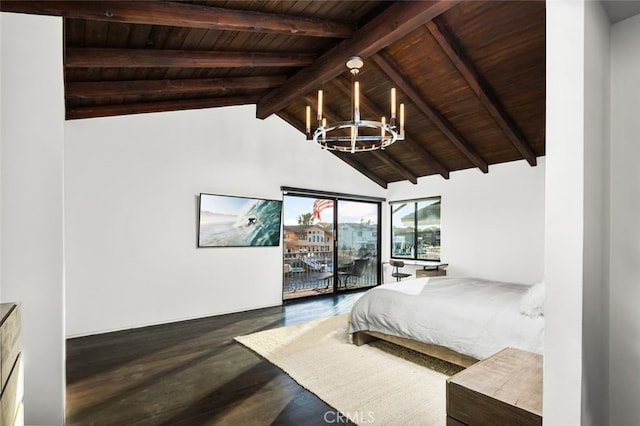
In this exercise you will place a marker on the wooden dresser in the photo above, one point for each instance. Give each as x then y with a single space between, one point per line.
504 389
11 374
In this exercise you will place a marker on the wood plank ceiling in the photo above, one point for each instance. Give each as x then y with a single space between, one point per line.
471 73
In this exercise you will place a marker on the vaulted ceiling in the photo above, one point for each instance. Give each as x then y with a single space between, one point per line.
471 73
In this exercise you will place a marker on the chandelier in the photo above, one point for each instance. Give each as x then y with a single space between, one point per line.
356 135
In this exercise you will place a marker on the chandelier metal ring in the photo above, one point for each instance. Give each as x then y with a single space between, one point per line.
387 136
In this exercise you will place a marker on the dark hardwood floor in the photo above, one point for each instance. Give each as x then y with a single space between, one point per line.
193 373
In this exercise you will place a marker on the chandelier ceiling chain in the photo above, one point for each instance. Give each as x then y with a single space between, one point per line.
356 135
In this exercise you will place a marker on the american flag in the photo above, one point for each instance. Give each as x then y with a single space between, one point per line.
320 205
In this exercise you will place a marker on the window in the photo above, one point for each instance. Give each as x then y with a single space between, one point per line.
415 229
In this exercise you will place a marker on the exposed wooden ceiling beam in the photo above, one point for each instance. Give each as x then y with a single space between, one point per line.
353 162
454 51
347 158
98 89
389 68
394 23
79 57
370 108
387 159
431 160
161 106
182 15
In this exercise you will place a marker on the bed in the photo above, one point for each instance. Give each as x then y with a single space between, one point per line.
459 320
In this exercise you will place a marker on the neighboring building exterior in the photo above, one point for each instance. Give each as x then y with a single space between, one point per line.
308 239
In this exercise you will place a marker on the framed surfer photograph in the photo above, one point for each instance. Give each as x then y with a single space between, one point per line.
229 221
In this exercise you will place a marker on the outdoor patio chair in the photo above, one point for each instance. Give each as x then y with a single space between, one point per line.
355 271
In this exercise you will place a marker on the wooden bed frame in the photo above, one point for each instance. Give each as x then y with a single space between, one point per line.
366 336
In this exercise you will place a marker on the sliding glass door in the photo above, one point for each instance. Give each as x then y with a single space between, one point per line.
330 245
358 244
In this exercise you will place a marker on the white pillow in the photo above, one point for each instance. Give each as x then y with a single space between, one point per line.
532 303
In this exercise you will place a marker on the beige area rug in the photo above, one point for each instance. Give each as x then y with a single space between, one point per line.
379 383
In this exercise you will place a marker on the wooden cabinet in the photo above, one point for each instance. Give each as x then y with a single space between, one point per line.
11 375
504 389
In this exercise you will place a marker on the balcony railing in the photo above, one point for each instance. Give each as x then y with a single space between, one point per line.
307 274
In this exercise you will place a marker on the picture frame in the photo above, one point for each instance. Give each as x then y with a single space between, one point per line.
234 221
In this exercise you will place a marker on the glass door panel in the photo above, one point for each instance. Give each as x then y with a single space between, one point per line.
308 232
358 245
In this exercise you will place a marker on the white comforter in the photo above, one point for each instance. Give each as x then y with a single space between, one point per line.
471 316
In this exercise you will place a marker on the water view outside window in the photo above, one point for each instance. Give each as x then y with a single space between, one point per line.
415 229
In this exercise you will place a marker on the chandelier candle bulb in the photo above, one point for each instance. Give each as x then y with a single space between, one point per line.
393 103
319 105
308 120
354 136
324 133
356 100
402 120
382 129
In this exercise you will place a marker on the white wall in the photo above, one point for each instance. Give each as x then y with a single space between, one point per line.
492 224
32 210
564 221
131 186
595 324
1 138
625 226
